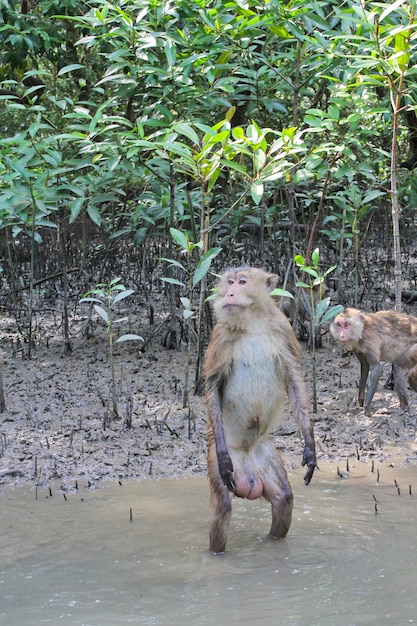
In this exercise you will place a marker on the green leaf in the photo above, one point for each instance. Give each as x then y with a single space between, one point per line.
170 52
89 299
390 7
172 281
181 238
122 295
69 68
281 293
103 314
330 269
313 121
253 133
129 337
259 158
321 308
174 263
371 195
257 191
310 271
238 167
279 31
94 214
334 112
331 313
204 264
213 178
186 303
188 131
401 59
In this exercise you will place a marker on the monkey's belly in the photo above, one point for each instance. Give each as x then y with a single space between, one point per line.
252 403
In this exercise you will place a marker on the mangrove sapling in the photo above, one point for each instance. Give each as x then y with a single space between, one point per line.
193 276
320 313
104 299
355 205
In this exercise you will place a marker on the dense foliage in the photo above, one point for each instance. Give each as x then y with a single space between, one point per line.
278 124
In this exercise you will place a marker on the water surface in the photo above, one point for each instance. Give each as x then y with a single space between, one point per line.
138 554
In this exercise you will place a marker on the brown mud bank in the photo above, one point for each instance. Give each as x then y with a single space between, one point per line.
56 424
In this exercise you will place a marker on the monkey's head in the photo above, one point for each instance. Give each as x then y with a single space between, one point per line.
242 295
347 327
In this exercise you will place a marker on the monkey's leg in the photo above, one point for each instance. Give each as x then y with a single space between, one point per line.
220 504
400 384
412 378
389 383
277 491
403 369
374 376
363 378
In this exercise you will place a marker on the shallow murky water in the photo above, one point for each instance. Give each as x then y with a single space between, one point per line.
137 554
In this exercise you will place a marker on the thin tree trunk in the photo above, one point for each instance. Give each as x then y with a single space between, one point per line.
171 341
204 230
2 400
62 235
395 206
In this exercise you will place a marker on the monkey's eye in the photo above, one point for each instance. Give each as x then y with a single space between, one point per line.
230 281
242 281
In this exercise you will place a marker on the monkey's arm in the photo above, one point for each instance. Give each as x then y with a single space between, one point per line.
216 418
309 459
298 400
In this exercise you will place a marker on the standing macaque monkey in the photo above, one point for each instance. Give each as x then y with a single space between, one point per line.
251 367
382 336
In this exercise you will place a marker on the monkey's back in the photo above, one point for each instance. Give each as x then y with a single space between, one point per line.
391 333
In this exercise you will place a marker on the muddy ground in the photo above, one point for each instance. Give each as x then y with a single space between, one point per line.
58 423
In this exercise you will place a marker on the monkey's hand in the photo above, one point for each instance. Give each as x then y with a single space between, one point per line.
226 470
309 459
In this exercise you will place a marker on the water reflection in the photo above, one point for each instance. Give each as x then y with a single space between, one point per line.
81 561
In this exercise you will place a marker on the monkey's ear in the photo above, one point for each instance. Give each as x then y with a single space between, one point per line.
271 281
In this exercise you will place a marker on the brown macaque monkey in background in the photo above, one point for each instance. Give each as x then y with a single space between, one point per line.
251 368
382 336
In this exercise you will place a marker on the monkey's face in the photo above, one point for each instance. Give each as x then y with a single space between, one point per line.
237 291
242 295
233 296
346 328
